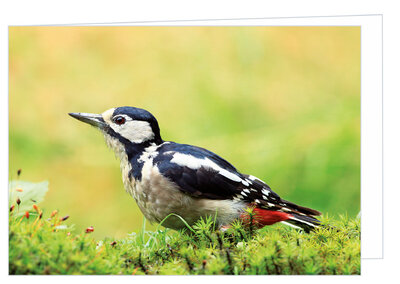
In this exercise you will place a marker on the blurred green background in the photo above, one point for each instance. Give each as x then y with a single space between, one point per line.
280 103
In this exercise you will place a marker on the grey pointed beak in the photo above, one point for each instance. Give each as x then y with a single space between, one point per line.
93 119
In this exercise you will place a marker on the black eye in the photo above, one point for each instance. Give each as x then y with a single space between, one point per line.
119 120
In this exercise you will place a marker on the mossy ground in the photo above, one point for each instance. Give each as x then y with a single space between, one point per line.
47 245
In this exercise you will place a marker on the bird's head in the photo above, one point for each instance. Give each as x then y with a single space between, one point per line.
128 126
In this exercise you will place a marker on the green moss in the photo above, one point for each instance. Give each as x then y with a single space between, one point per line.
47 246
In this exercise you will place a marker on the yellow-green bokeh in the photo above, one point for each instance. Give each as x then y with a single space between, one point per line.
281 103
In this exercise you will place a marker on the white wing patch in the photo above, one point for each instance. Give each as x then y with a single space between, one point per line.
195 163
265 192
255 178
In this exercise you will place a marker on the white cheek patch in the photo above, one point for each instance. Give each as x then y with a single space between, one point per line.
136 131
195 163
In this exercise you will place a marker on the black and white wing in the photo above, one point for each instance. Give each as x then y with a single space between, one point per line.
203 174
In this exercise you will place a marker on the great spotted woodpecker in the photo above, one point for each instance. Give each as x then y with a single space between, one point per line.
166 177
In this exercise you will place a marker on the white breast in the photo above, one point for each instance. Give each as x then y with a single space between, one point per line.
158 197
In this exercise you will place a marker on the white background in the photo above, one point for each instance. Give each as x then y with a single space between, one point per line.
81 12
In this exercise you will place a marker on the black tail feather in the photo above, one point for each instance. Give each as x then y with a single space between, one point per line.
301 209
307 223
